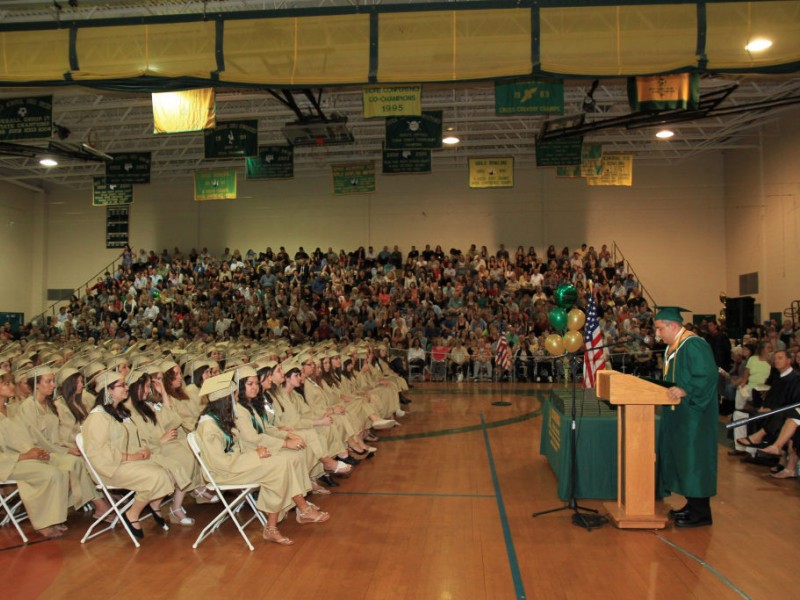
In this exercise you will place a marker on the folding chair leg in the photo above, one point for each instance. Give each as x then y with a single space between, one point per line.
10 510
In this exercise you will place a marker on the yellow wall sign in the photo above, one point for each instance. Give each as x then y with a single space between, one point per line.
393 101
491 172
617 170
215 184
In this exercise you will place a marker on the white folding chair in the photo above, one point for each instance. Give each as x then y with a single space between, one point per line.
118 505
11 504
229 509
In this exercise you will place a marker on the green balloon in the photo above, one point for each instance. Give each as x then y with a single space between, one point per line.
566 295
558 318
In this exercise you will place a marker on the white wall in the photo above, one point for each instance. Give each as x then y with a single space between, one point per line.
762 204
670 224
21 228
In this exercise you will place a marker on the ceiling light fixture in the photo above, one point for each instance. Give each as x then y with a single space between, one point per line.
48 162
758 45
665 134
450 140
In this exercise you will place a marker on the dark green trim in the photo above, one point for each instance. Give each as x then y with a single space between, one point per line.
702 27
219 48
536 39
73 49
432 495
374 26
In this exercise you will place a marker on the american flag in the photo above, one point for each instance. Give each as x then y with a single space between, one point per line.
593 360
503 356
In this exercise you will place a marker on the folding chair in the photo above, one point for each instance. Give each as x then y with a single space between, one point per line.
11 504
118 506
229 509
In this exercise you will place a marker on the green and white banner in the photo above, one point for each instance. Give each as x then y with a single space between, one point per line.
129 167
392 101
272 162
110 194
424 131
353 178
406 161
591 163
26 118
215 184
529 98
560 152
232 139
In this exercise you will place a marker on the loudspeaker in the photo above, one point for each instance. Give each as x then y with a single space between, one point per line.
739 315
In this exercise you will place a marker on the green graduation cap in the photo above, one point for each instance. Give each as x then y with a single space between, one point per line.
670 313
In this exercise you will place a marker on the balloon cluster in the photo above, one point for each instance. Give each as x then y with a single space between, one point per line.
557 343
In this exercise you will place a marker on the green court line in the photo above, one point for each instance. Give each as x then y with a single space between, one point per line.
513 564
704 564
414 494
465 429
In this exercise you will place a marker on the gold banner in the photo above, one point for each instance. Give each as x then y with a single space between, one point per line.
617 170
491 172
393 101
176 112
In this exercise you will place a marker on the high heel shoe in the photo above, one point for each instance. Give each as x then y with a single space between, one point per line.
185 520
158 518
137 533
328 480
271 534
357 452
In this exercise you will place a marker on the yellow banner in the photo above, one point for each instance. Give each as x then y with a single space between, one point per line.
191 110
393 101
617 170
491 172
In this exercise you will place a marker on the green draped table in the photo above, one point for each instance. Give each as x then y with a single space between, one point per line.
596 444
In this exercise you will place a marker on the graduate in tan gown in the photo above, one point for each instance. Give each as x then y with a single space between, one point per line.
187 402
229 462
108 445
69 404
43 487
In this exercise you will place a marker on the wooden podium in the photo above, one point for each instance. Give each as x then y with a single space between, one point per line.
636 454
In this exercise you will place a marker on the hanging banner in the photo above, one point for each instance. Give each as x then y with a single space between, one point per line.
272 162
117 226
177 112
353 178
406 161
26 118
110 194
591 163
558 153
392 101
491 172
129 167
424 131
664 92
529 98
215 184
617 170
232 139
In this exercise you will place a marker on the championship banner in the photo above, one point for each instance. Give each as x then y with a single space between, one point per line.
110 194
272 162
353 178
26 118
424 131
591 163
559 153
392 101
617 170
215 184
231 139
406 161
529 98
491 173
177 112
129 167
664 92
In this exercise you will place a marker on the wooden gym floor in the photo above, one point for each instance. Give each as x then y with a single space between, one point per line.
442 513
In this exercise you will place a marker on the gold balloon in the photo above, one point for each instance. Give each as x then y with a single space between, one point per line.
554 344
573 341
575 319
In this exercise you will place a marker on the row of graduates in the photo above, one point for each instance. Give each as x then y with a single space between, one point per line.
291 426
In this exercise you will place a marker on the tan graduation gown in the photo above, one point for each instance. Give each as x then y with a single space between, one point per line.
293 412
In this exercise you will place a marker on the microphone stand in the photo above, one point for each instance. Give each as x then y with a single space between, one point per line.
586 521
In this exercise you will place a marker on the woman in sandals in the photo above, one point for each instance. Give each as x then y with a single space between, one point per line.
230 463
157 424
116 457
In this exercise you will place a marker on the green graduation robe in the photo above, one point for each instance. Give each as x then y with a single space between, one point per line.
687 441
